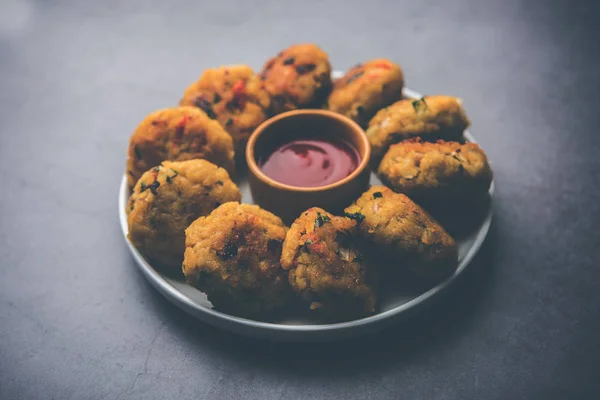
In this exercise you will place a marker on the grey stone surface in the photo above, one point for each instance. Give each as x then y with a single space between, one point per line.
78 321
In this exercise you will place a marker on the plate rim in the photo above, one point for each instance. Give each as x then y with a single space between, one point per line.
294 332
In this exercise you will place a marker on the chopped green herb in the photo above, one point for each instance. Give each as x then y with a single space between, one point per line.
358 217
170 178
377 195
205 106
153 186
217 98
420 105
143 187
229 122
137 152
321 220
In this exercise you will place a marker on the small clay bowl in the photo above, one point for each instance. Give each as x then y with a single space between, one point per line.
286 201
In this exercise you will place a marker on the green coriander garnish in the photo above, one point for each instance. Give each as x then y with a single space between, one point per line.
420 105
377 195
358 217
205 106
170 178
321 220
153 186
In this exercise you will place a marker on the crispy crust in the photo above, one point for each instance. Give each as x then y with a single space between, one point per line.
433 118
298 77
166 199
233 95
233 256
366 88
397 225
436 172
326 265
177 134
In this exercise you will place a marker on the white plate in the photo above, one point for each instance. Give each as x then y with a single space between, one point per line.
392 308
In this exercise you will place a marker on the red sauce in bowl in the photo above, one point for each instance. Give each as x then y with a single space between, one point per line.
310 162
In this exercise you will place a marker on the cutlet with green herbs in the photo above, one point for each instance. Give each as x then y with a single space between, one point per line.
327 267
177 134
297 77
234 96
366 88
233 255
397 226
436 172
169 197
430 118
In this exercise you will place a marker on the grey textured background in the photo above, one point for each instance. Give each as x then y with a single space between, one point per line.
77 320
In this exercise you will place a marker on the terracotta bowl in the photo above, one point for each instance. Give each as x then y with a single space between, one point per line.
286 201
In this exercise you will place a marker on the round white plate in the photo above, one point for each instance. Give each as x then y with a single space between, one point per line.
392 308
